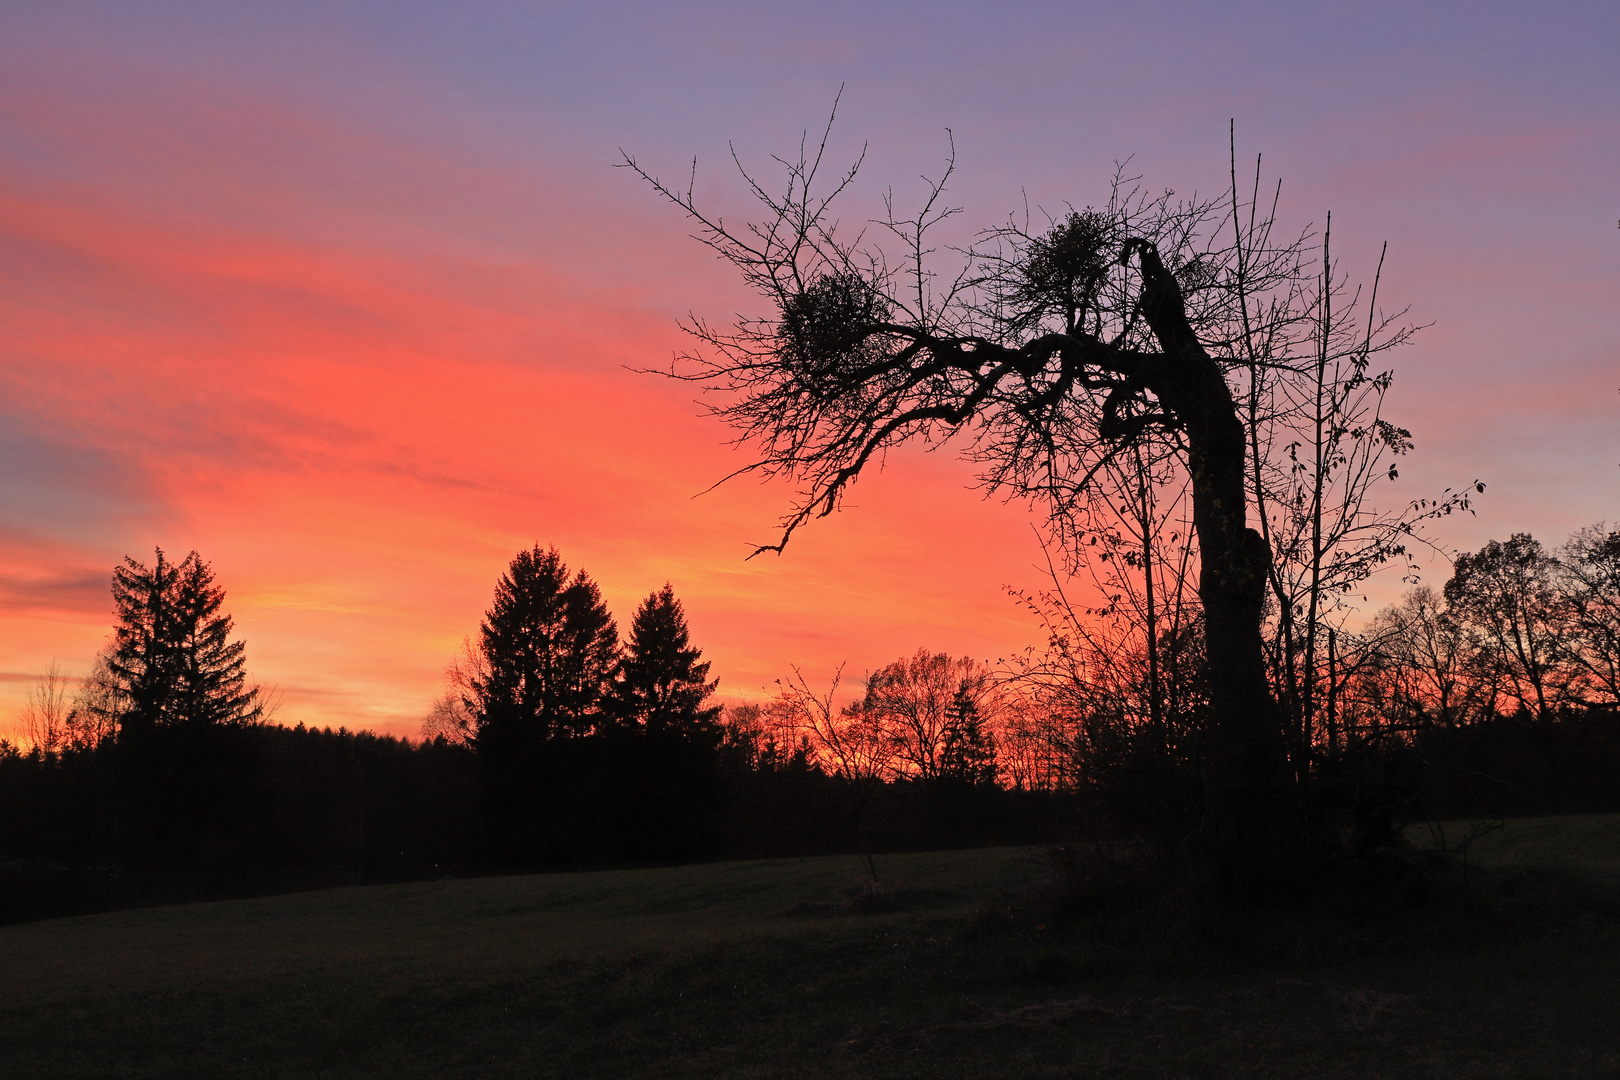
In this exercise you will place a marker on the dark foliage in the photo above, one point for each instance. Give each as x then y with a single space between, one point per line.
172 659
662 685
196 813
1511 766
550 649
574 755
968 752
203 813
190 814
1434 722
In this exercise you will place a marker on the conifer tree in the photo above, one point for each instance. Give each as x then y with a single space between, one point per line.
172 658
662 683
550 649
969 751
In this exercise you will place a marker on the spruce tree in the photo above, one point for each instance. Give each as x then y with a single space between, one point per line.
550 650
969 751
172 657
662 684
665 744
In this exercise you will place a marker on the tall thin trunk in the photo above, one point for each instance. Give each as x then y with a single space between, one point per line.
1145 520
1249 800
1307 712
1333 695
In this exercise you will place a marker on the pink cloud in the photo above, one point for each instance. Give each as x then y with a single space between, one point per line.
359 428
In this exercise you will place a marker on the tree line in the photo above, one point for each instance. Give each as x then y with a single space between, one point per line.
1492 694
160 776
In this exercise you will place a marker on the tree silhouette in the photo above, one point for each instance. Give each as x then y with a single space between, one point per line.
47 717
854 745
173 659
968 751
924 700
661 752
98 704
549 650
1590 585
1507 593
186 765
662 684
1423 656
535 689
1049 353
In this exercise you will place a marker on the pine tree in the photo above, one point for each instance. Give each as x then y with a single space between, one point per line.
664 746
661 687
550 649
172 658
969 751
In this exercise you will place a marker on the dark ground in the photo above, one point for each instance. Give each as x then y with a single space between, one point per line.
784 968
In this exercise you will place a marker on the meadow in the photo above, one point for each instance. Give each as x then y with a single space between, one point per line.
788 968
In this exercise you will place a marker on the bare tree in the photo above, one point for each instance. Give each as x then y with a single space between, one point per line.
452 717
1507 594
46 716
1319 444
919 699
1589 583
1034 751
1049 356
1105 338
851 743
448 719
1424 656
99 703
1122 722
766 738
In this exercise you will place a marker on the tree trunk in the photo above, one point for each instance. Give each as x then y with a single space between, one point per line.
1252 821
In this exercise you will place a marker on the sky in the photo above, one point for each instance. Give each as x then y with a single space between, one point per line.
350 298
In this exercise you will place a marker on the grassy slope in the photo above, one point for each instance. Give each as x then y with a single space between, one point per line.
736 970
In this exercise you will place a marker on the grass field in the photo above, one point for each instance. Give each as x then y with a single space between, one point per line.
772 969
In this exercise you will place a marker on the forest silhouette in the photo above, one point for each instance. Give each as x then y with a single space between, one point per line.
161 776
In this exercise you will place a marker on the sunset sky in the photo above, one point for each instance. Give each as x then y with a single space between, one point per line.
345 296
